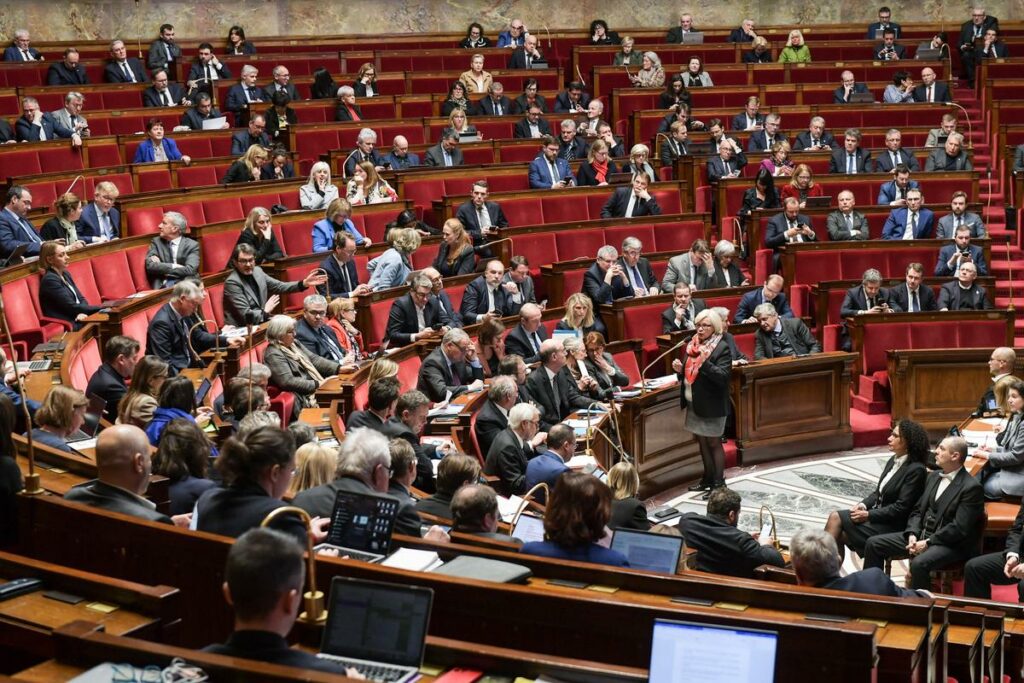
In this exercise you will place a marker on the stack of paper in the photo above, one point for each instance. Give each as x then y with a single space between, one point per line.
413 560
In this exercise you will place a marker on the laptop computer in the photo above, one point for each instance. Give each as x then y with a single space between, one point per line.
648 551
818 202
361 525
528 528
685 652
93 414
861 98
379 629
202 391
928 53
16 255
692 38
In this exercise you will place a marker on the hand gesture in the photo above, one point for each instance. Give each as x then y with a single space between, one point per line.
271 304
677 365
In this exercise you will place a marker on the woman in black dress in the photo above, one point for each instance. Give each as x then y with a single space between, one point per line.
675 93
259 232
59 296
628 511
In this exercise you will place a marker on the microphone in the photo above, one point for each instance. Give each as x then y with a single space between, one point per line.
549 35
216 339
611 442
580 76
967 116
643 374
344 166
315 612
75 181
586 448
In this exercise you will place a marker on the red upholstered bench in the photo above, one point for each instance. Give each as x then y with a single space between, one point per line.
83 363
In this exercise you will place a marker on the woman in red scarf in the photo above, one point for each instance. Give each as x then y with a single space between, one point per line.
705 377
598 166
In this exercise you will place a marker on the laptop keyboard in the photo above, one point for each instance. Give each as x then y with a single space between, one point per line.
373 672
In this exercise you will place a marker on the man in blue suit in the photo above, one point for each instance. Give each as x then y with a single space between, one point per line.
546 467
850 87
342 275
400 158
910 223
894 192
15 229
244 94
100 221
484 297
770 293
883 24
815 558
961 251
549 170
21 49
34 125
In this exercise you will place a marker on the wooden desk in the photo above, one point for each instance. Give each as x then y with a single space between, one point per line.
342 388
937 387
787 407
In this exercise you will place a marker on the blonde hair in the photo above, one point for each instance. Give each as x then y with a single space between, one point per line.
451 119
250 221
251 154
314 465
588 317
623 480
406 240
381 368
596 146
462 240
800 170
59 407
317 167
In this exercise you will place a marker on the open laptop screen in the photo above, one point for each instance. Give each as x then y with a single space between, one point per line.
649 551
362 521
683 652
379 622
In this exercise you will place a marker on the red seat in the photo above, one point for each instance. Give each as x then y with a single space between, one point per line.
616 234
198 176
676 236
408 372
562 208
626 360
580 243
522 211
538 248
154 180
137 265
215 250
113 276
223 209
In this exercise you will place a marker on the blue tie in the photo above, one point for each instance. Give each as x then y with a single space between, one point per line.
30 231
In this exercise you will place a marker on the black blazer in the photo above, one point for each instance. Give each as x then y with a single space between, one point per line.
797 334
466 214
941 92
194 120
166 339
855 301
521 107
587 176
266 250
108 385
290 90
724 549
364 418
435 380
112 73
464 264
646 272
341 113
61 298
892 505
862 157
711 388
522 128
629 513
490 421
551 413
954 298
238 172
475 301
668 316
619 201
60 74
518 342
600 293
952 520
402 321
718 279
335 280
234 510
150 97
314 340
562 103
507 460
899 296
486 106
396 429
360 89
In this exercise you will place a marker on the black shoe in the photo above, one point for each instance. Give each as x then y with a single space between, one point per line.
699 486
706 495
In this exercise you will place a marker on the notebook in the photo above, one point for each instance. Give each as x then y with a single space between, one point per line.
379 629
528 529
361 525
684 652
648 551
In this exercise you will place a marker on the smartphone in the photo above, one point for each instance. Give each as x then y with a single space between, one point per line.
766 530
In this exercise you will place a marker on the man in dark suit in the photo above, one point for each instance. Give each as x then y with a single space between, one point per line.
991 47
173 334
164 53
912 223
481 218
313 332
744 34
342 274
549 170
550 463
894 156
970 33
453 472
485 297
1001 568
815 137
883 24
931 89
1000 364
171 256
632 202
894 192
721 547
605 280
889 50
533 125
959 215
502 394
684 309
511 451
851 158
867 297
676 146
109 382
842 94
944 528
451 369
961 251
122 68
525 339
816 562
778 337
202 111
253 135
912 297
749 119
407 424
366 150
522 291
771 292
846 223
15 228
68 71
964 294
33 125
728 162
100 220
380 404
244 94
570 145
206 70
450 317
950 157
638 268
526 55
163 93
21 49
762 140
404 325
572 100
496 103
676 33
789 226
282 83
446 152
123 468
250 295
551 386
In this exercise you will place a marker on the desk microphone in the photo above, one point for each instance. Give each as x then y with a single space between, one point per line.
344 166
643 378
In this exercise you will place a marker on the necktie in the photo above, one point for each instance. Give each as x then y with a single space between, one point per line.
536 342
105 225
914 305
28 57
29 231
208 76
931 93
895 159
447 157
849 222
554 392
249 96
166 100
483 218
631 205
497 109
851 167
638 281
128 74
42 132
555 177
185 339
728 168
529 60
959 222
335 351
913 225
344 276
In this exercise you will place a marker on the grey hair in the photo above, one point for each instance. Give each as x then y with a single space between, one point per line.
345 91
632 243
279 326
186 288
249 69
455 336
277 69
28 100
607 251
22 33
257 419
818 120
815 555
567 124
724 248
73 95
420 280
367 135
258 371
871 275
503 388
722 312
655 60
520 413
764 309
314 300
957 138
178 220
571 344
361 451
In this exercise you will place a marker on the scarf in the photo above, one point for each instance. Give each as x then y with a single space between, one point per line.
697 353
600 170
299 357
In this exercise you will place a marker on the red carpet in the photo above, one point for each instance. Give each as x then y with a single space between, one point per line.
869 430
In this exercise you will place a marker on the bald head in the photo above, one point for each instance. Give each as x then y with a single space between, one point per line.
122 458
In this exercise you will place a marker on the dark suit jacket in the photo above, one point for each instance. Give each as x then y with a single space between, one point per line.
619 201
562 103
775 234
883 162
946 253
569 397
941 92
879 51
646 272
796 333
113 73
166 339
13 54
896 224
194 120
489 422
198 71
838 230
862 157
629 513
28 132
239 299
518 59
718 279
724 549
435 157
356 157
711 388
486 106
758 141
99 494
751 299
871 581
803 140
517 341
899 296
314 340
716 167
242 140
891 506
396 429
522 128
675 34
335 280
878 26
955 298
507 460
157 58
402 322
855 301
342 113
290 90
108 385
438 505
89 223
952 520
838 95
600 293
475 301
466 214
235 100
62 299
234 510
60 74
967 29
186 263
364 418
668 316
449 316
739 122
151 98
435 379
